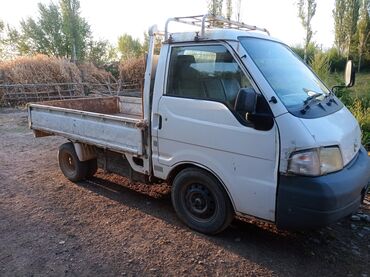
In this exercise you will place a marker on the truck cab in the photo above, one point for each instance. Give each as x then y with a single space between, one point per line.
239 125
243 107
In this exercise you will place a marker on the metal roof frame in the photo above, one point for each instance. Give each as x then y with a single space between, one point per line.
210 21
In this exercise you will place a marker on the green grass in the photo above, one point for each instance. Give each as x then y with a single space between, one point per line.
361 87
357 100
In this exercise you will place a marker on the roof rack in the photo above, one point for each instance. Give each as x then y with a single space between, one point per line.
209 21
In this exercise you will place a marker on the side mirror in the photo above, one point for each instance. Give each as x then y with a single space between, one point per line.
246 101
349 74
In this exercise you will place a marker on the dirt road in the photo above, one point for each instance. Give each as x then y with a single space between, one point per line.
50 226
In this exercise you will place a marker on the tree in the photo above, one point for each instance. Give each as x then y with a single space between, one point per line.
320 63
157 44
312 48
339 26
229 9
11 42
215 7
59 31
346 15
16 43
45 34
2 26
337 60
75 27
350 25
100 53
238 9
363 29
129 47
306 11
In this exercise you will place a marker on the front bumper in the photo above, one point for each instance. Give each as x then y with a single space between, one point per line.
311 202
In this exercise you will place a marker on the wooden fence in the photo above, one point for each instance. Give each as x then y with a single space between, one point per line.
18 94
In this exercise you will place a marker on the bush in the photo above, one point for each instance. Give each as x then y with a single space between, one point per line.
362 114
112 68
39 69
337 62
298 50
311 50
91 74
132 70
42 69
321 65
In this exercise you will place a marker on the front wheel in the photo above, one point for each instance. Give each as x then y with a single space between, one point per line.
201 202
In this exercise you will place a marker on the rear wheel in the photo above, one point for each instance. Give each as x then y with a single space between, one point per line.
201 202
71 166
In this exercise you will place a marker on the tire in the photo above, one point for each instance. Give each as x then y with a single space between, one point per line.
201 202
72 168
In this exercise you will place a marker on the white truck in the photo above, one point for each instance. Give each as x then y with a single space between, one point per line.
233 120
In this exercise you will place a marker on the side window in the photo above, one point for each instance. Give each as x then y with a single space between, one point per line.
205 72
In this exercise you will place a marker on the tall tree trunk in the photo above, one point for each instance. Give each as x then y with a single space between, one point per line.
72 15
359 62
238 8
229 9
74 52
349 48
361 52
305 53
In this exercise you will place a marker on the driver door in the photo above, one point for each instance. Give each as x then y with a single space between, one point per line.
199 125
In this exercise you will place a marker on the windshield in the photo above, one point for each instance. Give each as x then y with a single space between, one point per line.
291 79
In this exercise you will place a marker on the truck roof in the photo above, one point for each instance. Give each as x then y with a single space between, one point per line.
219 34
212 27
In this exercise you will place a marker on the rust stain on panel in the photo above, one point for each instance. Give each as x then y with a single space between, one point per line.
104 105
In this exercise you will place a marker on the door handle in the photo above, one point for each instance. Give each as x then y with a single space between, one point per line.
159 122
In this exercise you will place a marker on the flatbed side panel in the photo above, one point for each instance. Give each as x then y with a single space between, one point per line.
104 105
104 131
132 106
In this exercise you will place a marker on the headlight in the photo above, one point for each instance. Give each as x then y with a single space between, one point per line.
330 160
316 162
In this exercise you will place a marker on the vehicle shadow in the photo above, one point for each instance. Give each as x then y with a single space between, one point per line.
309 252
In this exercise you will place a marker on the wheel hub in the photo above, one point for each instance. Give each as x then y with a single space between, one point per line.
69 163
199 201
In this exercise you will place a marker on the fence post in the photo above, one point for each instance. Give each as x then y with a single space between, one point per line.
85 88
2 77
109 88
70 86
119 86
2 89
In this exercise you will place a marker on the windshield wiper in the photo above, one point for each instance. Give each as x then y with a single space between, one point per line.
331 99
309 100
312 97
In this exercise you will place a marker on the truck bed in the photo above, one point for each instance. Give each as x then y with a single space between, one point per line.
113 123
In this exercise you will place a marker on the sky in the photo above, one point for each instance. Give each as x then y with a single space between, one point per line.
111 18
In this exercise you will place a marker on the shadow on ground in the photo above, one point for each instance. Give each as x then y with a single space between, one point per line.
254 240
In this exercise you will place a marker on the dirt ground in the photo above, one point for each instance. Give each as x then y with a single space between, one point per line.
107 226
